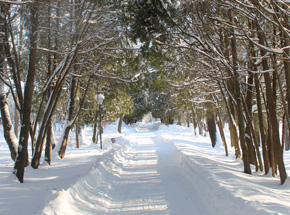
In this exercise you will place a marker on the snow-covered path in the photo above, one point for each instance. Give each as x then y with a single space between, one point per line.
148 175
150 181
151 169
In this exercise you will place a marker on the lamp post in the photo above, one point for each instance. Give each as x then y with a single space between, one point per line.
100 98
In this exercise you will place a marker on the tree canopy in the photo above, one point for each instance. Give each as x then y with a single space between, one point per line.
205 62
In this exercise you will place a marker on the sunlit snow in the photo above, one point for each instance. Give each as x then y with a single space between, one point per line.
151 169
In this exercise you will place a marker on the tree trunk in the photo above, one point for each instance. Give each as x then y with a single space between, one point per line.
16 120
77 134
70 121
278 150
221 130
246 160
253 139
49 112
253 67
193 119
187 118
230 108
64 139
22 154
69 117
94 139
232 127
211 127
286 134
49 132
9 134
120 124
77 119
245 151
49 142
200 124
250 136
286 54
232 113
43 129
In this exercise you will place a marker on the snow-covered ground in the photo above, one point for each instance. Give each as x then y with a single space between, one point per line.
151 169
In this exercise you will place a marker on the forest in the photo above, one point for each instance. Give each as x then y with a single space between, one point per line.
212 63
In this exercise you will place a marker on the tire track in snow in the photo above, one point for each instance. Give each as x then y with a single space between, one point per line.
181 196
137 190
147 175
124 181
193 190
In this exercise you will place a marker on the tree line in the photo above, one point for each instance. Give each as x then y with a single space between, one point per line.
214 62
223 61
233 57
55 56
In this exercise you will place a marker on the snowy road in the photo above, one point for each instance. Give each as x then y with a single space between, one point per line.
148 175
151 169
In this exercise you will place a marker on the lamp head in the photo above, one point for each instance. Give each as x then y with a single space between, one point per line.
100 98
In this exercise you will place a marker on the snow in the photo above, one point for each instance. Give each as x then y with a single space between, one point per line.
151 169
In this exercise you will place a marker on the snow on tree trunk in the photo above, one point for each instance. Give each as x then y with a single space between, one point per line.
69 124
49 142
63 142
120 124
221 130
9 134
22 153
276 145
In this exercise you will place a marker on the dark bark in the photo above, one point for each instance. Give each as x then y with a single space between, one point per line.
245 151
62 150
211 127
253 67
250 136
49 142
22 154
16 120
278 149
9 135
237 83
43 129
193 119
285 43
77 133
69 118
94 138
50 107
231 111
286 134
232 127
62 71
49 133
221 130
12 60
253 139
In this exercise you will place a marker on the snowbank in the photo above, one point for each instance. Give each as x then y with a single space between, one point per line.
151 169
